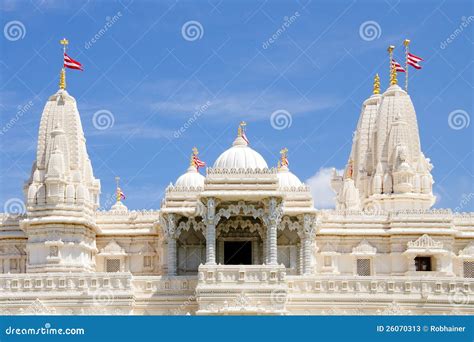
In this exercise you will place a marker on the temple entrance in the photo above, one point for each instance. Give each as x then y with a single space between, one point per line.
238 252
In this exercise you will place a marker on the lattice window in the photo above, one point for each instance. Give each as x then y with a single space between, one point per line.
468 269
113 265
363 267
327 261
53 251
147 261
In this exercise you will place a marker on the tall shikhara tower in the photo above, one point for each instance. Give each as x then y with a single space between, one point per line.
62 193
386 169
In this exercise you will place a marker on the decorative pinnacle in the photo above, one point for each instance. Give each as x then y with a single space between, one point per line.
376 84
241 127
406 42
62 76
284 157
117 190
192 162
393 71
62 79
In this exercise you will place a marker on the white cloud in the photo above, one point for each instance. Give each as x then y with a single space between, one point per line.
320 184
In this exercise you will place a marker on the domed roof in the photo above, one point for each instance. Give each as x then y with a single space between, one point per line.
192 178
240 156
287 179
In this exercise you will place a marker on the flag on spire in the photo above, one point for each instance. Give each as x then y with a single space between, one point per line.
242 132
397 66
195 159
414 60
71 63
120 195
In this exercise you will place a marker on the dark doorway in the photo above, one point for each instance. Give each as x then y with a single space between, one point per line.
238 252
423 264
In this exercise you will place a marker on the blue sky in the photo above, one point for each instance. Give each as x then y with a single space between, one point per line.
153 78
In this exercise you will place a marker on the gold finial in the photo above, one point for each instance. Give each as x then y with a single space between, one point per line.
376 84
118 196
62 76
192 161
393 71
284 157
62 79
406 42
241 127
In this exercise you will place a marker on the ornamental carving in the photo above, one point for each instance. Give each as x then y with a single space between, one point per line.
168 226
243 224
364 248
425 242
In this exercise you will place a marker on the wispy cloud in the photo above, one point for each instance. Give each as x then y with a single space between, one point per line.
320 184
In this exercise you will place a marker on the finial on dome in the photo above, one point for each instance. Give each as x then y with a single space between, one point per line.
284 158
393 70
119 193
240 130
62 76
192 161
376 84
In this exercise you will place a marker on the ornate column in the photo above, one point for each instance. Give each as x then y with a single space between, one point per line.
272 220
307 240
169 229
210 220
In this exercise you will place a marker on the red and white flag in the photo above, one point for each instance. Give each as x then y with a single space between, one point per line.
397 66
245 137
198 162
413 61
71 63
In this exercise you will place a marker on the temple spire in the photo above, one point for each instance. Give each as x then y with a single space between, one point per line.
62 76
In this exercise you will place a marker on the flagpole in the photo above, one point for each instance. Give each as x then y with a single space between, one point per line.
406 43
62 79
393 72
117 180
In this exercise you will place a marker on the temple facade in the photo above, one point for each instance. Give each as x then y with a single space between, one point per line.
245 238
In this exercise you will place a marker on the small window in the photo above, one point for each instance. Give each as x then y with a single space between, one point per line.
53 251
468 269
423 264
147 261
363 267
327 261
113 265
13 264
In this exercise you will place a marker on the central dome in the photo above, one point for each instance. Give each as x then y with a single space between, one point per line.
240 156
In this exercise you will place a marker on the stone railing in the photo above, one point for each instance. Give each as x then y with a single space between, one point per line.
31 283
164 284
458 289
241 274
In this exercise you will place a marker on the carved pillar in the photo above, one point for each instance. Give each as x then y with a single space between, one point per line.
210 232
168 223
272 220
307 238
265 249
